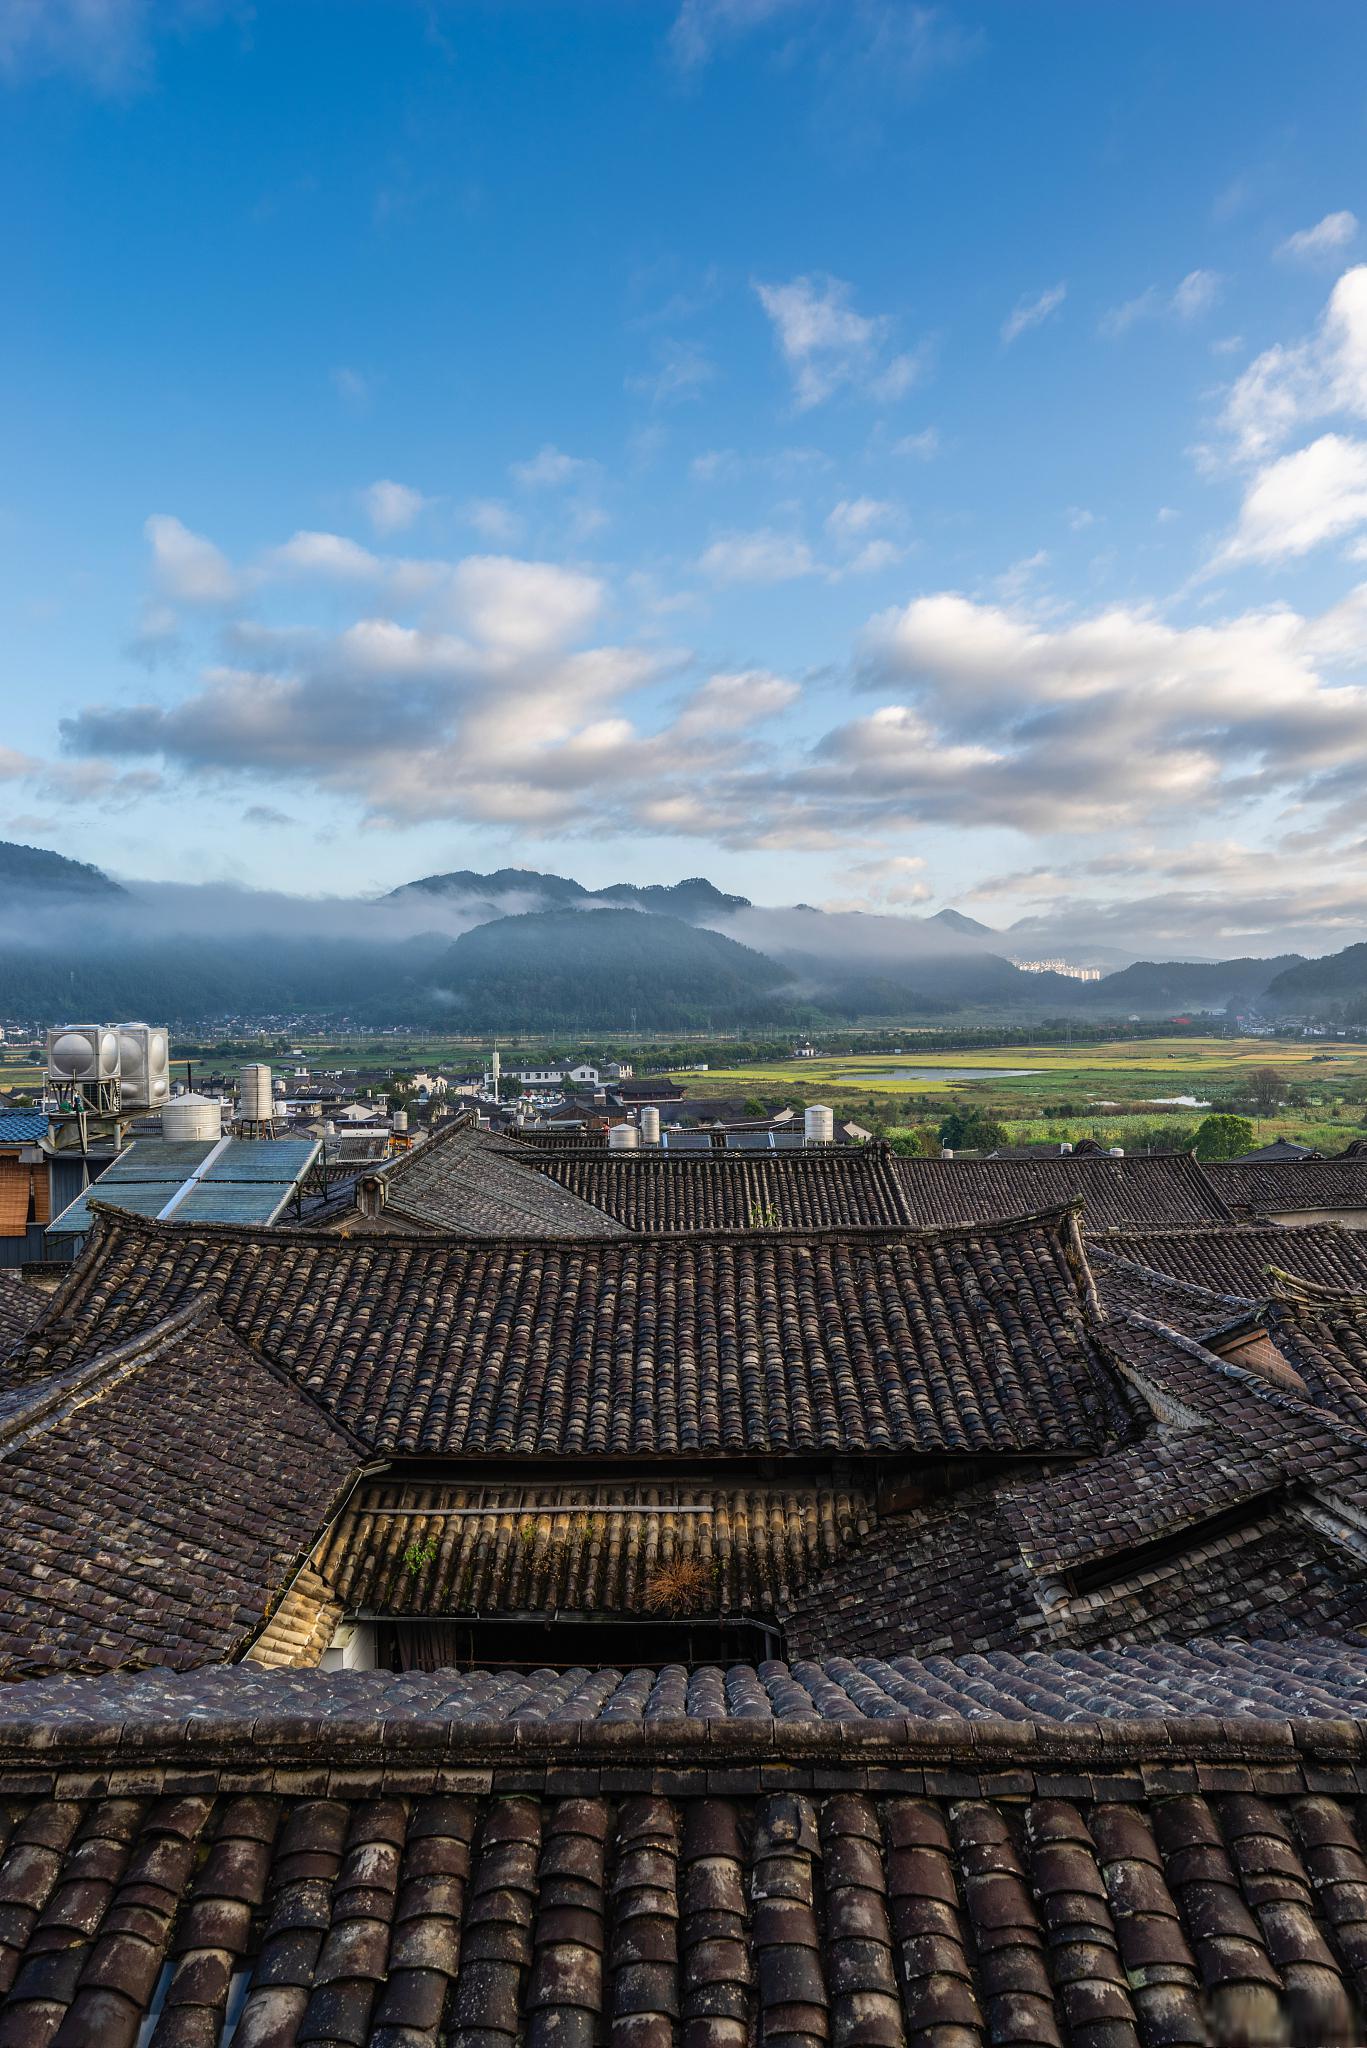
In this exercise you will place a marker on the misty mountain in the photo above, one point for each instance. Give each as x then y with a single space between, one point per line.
604 969
968 927
508 891
33 868
1163 987
1322 987
532 951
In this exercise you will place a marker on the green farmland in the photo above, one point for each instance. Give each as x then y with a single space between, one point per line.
1109 1091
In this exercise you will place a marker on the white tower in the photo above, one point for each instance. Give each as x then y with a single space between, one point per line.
496 1072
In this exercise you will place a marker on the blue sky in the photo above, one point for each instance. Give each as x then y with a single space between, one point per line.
868 453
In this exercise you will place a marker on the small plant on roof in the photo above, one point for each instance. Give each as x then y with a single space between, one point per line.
682 1586
763 1216
419 1556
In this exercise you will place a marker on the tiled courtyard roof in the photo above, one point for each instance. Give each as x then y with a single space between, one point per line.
869 1184
960 1341
566 1858
681 1191
1238 1261
592 1549
1279 1189
155 1499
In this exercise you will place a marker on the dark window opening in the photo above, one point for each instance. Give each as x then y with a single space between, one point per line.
529 1642
1110 1571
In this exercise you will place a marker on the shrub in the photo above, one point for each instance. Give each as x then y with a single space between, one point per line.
681 1586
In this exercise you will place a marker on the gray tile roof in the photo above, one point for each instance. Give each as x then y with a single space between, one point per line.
465 1181
1047 1850
959 1341
157 1498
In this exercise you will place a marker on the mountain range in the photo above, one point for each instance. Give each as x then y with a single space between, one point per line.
518 950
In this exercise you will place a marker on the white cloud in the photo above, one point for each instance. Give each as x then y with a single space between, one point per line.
393 507
1028 313
108 44
548 468
923 447
760 557
701 24
1197 293
353 387
901 375
733 702
875 555
1286 387
492 518
682 371
1299 501
854 517
826 343
1323 242
188 568
523 607
329 555
896 883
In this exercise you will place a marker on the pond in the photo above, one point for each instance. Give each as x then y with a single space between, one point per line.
939 1074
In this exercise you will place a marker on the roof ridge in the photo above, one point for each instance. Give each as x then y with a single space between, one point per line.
152 1226
1311 1293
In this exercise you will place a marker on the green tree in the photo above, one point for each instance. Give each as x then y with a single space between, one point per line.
971 1130
1266 1089
922 1142
1223 1137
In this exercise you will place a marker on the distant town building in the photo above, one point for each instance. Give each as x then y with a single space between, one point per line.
1058 967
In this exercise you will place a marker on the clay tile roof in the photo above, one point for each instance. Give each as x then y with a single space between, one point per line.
442 1549
683 1191
869 1184
1238 1261
958 1341
289 1712
157 1497
1324 1335
1171 1481
21 1304
1195 1311
619 1869
1283 1188
463 1180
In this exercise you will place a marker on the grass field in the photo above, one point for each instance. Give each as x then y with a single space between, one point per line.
1109 1091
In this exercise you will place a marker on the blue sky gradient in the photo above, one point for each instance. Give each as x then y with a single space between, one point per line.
869 453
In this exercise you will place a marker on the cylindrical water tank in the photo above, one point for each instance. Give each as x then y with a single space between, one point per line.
255 1097
818 1124
1117 1151
650 1125
623 1138
1065 1148
191 1118
400 1120
946 1152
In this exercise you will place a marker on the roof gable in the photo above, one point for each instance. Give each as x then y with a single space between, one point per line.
157 1496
